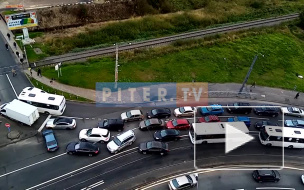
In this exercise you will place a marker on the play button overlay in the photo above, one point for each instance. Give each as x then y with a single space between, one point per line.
229 142
235 138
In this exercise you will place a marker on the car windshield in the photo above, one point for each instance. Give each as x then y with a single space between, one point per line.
189 178
89 132
147 123
163 133
149 145
182 109
175 183
236 105
77 146
128 114
105 123
209 108
154 112
174 122
117 141
207 119
264 134
51 143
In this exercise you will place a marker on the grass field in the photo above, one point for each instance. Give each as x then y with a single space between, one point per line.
147 27
51 90
217 59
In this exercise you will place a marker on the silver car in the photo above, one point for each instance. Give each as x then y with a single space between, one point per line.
184 111
132 115
121 141
183 182
61 123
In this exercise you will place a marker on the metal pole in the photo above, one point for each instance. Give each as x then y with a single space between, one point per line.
116 66
248 74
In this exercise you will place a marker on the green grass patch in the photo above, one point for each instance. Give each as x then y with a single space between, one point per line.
51 90
216 59
214 13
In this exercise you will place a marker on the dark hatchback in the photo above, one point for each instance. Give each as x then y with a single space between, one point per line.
239 107
112 124
154 147
267 110
266 176
159 113
259 125
167 135
82 148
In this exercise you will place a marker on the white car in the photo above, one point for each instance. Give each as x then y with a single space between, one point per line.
185 111
121 141
132 115
302 178
94 135
183 182
293 111
61 123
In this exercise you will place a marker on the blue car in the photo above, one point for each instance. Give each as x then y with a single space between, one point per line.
214 109
50 140
245 119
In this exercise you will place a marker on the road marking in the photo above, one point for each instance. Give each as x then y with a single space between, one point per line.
43 124
11 85
32 165
70 117
69 173
94 185
276 188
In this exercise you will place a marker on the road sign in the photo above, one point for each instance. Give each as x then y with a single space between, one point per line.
7 125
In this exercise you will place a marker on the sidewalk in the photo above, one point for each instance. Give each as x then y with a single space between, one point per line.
85 93
4 30
216 91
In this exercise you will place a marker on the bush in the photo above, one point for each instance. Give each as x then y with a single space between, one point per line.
302 18
257 4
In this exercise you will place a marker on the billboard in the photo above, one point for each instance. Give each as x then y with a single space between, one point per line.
21 20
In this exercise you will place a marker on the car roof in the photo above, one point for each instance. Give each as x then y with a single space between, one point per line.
115 121
50 137
83 145
182 180
161 110
156 144
215 106
265 172
187 108
99 131
171 131
154 121
125 135
135 112
182 121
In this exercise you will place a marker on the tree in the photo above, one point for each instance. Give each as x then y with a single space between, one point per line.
302 18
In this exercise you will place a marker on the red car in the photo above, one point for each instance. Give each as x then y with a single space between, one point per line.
209 118
178 124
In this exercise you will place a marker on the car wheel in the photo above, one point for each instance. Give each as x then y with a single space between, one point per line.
176 139
119 130
276 181
101 141
90 155
204 142
47 113
70 153
290 146
144 152
68 128
49 127
259 114
83 140
269 144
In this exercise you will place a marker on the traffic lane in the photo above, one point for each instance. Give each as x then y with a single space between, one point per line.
7 57
241 180
7 94
20 81
133 164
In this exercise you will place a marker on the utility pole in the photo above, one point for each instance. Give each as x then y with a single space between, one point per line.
116 66
248 74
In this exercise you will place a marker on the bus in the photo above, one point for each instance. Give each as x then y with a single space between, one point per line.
45 102
202 133
273 136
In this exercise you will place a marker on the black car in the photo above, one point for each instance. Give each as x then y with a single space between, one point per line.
258 125
112 124
154 147
159 113
82 148
266 176
167 135
239 107
267 110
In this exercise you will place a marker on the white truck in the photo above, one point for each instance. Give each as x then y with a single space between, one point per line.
20 111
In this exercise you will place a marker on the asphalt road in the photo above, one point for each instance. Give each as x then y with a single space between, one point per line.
243 180
113 171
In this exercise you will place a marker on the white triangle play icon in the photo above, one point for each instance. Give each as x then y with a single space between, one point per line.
235 138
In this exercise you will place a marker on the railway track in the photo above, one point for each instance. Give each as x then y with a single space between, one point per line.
166 40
